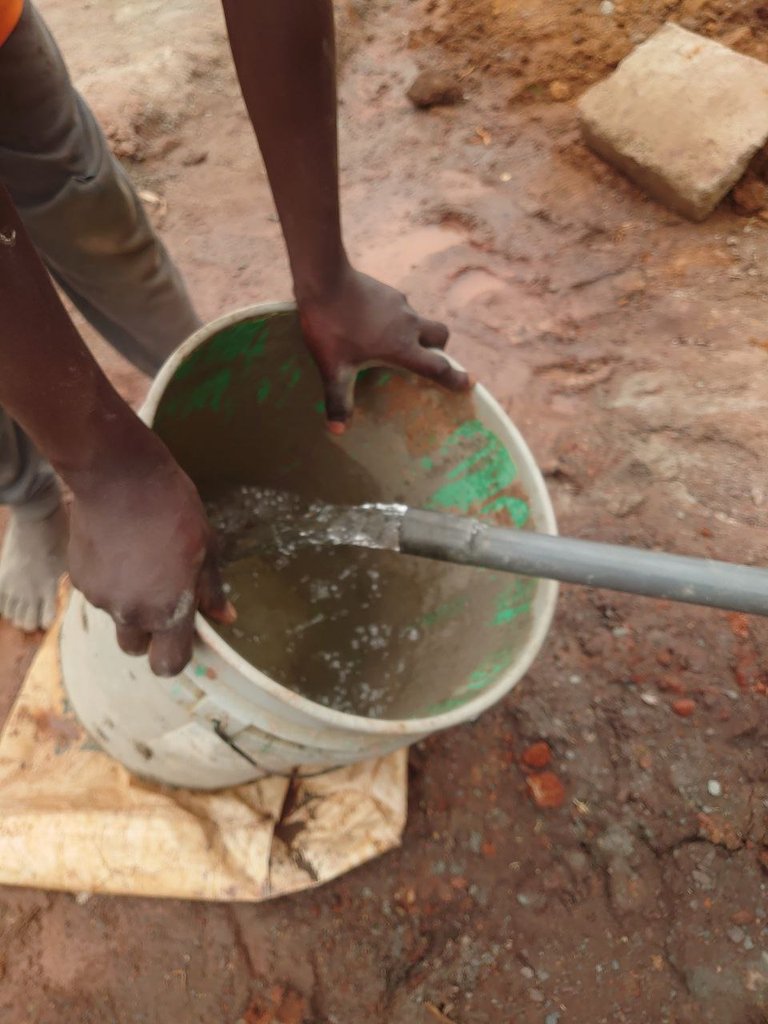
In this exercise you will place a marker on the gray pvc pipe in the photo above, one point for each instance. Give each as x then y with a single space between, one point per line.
701 581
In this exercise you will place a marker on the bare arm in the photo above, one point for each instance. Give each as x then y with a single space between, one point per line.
140 546
284 52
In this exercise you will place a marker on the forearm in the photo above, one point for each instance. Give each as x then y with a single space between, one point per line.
49 382
284 52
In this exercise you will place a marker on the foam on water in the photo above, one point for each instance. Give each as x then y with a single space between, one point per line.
319 595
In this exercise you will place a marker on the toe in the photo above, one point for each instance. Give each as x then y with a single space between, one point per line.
48 612
9 609
28 616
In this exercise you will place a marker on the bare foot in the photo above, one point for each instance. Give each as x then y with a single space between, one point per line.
32 559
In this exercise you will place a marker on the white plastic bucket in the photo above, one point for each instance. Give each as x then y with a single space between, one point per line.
241 401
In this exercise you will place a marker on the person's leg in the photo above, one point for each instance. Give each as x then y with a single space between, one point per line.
32 555
79 206
94 236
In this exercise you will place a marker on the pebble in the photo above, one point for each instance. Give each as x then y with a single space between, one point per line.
742 917
527 972
475 841
575 679
552 1018
433 89
714 788
736 935
607 7
559 91
684 707
702 879
748 944
546 789
538 755
536 995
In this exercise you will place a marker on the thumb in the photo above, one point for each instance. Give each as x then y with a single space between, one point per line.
212 597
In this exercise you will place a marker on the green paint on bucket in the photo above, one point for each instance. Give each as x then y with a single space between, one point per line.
291 374
444 611
210 394
476 482
247 340
514 601
487 672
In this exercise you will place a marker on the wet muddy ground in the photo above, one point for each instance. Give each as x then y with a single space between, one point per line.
631 348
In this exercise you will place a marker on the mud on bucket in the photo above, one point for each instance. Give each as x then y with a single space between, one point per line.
416 645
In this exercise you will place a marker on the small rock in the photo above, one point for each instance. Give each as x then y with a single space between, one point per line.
607 7
750 196
475 841
552 1018
626 891
719 832
649 698
559 91
714 788
546 790
538 755
684 707
434 88
536 995
527 972
533 900
702 879
736 935
748 944
742 917
578 862
616 841
671 684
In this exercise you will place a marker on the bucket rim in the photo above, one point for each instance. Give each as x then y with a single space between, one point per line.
546 598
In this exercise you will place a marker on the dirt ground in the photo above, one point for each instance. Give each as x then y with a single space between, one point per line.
532 44
631 348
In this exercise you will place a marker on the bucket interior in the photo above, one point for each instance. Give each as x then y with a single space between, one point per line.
245 408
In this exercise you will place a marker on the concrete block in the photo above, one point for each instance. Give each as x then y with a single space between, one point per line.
681 116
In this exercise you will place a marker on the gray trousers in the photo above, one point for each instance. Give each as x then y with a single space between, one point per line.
88 226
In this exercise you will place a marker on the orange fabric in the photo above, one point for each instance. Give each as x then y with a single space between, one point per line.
10 12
